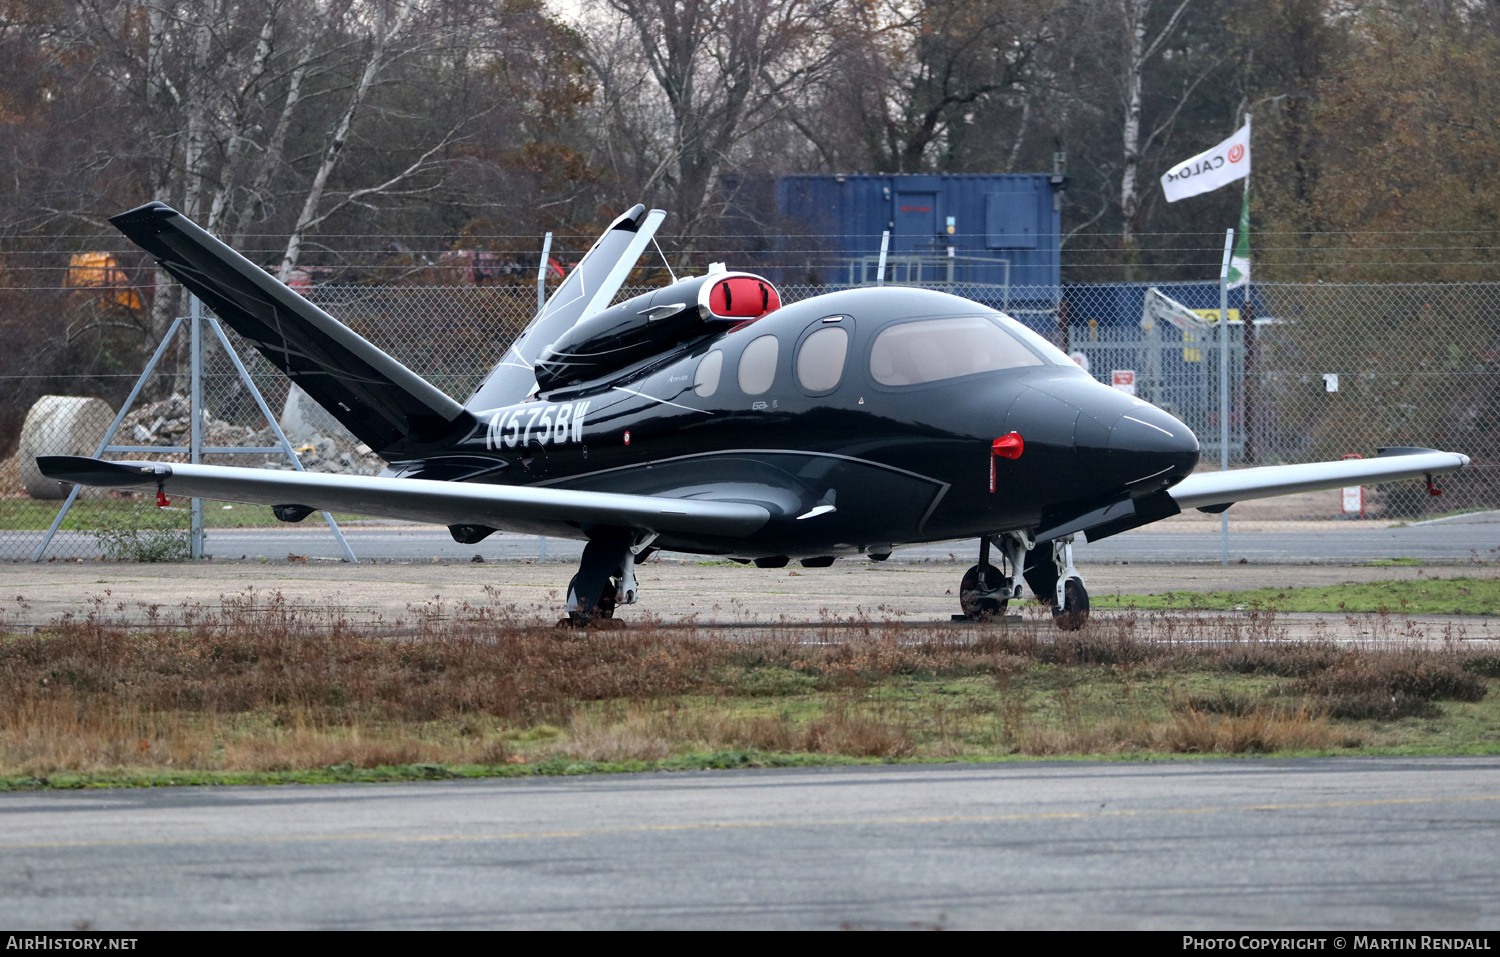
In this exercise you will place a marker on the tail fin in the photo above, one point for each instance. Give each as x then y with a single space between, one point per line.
387 406
587 290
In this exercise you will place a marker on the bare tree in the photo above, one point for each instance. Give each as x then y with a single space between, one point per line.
723 68
388 30
1140 51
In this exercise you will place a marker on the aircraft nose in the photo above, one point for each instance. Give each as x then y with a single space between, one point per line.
1149 446
1123 442
1145 428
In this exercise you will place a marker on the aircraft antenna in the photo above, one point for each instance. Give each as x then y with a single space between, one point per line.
664 259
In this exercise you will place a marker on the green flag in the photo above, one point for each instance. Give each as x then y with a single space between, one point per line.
1239 260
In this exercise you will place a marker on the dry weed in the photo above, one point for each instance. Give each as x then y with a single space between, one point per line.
259 683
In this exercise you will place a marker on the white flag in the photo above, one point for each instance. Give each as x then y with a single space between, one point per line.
1225 163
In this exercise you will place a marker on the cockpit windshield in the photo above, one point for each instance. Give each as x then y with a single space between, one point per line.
931 350
1039 344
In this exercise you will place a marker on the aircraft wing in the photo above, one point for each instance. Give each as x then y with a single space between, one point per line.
389 407
506 507
1208 489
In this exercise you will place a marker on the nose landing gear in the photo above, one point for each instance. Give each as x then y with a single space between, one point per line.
1055 578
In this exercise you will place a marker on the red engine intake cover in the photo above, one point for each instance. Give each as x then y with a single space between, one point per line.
743 297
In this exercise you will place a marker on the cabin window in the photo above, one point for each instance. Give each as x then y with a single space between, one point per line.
936 349
706 380
758 365
820 363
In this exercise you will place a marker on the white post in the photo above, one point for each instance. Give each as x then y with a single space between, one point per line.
1224 385
541 273
541 301
885 245
195 417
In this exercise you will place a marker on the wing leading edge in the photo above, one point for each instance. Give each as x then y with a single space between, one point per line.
1209 489
521 509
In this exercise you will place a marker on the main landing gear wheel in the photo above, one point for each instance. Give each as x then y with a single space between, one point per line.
976 598
1074 613
986 590
606 577
603 609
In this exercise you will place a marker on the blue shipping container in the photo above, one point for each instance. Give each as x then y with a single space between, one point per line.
997 230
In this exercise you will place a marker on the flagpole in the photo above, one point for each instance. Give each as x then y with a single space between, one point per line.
1245 227
1247 328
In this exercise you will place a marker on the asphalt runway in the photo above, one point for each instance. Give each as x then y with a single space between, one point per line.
1462 539
1364 844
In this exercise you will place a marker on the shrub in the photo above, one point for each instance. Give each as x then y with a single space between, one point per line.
145 534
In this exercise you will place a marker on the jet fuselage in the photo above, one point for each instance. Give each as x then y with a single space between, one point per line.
897 463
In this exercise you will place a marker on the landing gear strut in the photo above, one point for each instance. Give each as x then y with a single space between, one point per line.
606 575
1054 578
986 590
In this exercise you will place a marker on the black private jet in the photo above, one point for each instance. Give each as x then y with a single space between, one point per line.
707 417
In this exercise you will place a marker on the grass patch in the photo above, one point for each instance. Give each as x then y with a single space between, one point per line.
1425 596
1394 563
28 515
258 690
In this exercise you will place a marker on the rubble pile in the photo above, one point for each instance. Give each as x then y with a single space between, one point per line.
166 423
324 454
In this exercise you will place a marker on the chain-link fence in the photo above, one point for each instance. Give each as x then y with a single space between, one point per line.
1315 372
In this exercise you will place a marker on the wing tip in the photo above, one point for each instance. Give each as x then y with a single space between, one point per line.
81 470
146 212
1395 451
630 220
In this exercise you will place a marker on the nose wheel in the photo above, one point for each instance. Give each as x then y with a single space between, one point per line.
1056 579
1073 614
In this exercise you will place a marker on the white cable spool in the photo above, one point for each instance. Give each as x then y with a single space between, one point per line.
61 425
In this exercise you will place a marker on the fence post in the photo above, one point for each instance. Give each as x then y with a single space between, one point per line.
1247 375
1063 308
885 245
541 273
195 417
1224 384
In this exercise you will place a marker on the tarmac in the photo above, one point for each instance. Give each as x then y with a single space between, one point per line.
672 592
1368 844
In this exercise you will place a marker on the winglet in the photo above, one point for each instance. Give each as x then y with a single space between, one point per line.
78 470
